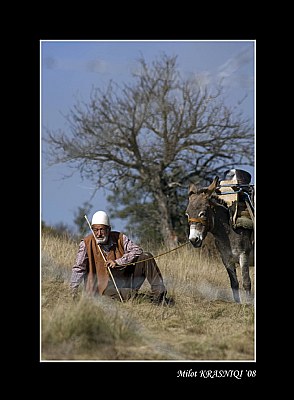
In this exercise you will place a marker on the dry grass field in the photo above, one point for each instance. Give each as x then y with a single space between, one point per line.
204 323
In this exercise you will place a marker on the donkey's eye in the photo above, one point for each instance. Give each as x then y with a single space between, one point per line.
202 214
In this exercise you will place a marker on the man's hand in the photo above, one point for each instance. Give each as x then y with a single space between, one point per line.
111 264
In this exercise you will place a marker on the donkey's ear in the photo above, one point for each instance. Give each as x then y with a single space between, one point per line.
192 189
211 188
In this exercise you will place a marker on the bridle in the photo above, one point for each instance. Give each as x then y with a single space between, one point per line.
202 221
209 222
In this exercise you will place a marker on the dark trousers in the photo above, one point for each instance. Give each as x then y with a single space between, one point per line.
129 279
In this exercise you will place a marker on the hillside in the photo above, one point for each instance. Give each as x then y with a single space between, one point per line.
204 323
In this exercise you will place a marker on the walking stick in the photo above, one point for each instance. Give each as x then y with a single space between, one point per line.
110 273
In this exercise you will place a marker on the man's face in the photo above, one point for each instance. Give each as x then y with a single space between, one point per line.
101 232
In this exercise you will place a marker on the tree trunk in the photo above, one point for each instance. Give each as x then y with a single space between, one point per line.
169 237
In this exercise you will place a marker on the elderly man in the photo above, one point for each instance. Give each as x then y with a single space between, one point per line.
129 265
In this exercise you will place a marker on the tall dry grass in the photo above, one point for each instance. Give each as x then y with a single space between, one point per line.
204 323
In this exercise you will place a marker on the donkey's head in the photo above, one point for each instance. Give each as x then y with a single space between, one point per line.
199 212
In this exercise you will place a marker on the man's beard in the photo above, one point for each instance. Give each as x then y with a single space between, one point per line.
102 240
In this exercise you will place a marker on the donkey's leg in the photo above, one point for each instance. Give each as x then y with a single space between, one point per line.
234 281
244 264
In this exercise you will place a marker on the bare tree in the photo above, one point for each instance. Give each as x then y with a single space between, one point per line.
156 134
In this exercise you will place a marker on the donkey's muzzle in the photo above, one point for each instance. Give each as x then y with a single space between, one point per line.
197 242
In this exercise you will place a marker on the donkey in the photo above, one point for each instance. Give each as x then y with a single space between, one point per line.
206 212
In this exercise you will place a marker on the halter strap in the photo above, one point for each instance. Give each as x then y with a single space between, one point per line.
202 221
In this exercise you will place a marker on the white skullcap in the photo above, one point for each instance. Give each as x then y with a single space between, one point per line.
100 218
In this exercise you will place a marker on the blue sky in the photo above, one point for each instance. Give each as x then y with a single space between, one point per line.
70 69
